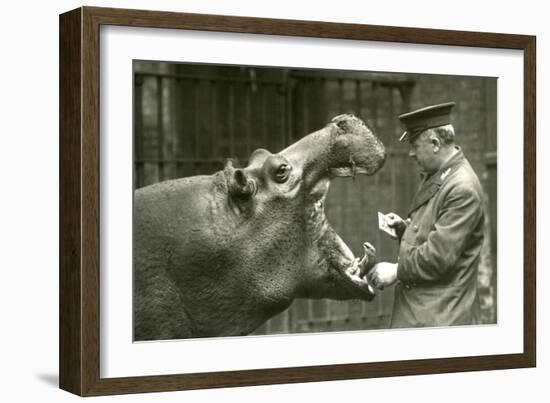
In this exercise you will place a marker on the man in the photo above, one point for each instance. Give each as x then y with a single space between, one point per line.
440 242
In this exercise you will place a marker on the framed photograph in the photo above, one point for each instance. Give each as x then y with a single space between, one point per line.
248 201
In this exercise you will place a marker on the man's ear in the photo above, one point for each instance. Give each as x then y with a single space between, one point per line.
435 141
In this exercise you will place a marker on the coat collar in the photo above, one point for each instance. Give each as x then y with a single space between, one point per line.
430 185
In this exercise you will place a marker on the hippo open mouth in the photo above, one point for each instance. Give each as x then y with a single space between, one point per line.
345 147
348 269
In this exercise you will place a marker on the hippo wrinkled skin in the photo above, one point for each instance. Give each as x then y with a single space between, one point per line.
218 255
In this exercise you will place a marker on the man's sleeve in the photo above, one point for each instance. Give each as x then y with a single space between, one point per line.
458 217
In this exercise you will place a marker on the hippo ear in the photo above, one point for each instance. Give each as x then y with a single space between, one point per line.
240 185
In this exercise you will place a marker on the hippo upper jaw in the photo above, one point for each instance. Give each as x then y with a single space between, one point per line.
347 146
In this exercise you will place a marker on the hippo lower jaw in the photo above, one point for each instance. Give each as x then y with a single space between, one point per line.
350 269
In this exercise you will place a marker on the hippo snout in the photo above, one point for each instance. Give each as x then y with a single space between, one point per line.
357 149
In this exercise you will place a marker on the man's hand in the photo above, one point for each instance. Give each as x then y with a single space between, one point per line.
397 223
383 274
394 221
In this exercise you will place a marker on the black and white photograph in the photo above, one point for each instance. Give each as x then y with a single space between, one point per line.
278 200
265 202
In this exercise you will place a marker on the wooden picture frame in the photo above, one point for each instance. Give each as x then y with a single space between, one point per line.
79 201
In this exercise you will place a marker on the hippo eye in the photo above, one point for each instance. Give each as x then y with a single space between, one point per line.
282 173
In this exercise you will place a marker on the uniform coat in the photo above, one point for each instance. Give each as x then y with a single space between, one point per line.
440 250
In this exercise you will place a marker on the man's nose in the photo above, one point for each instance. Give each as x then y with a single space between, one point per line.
412 154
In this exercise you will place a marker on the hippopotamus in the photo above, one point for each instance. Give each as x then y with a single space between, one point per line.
219 255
